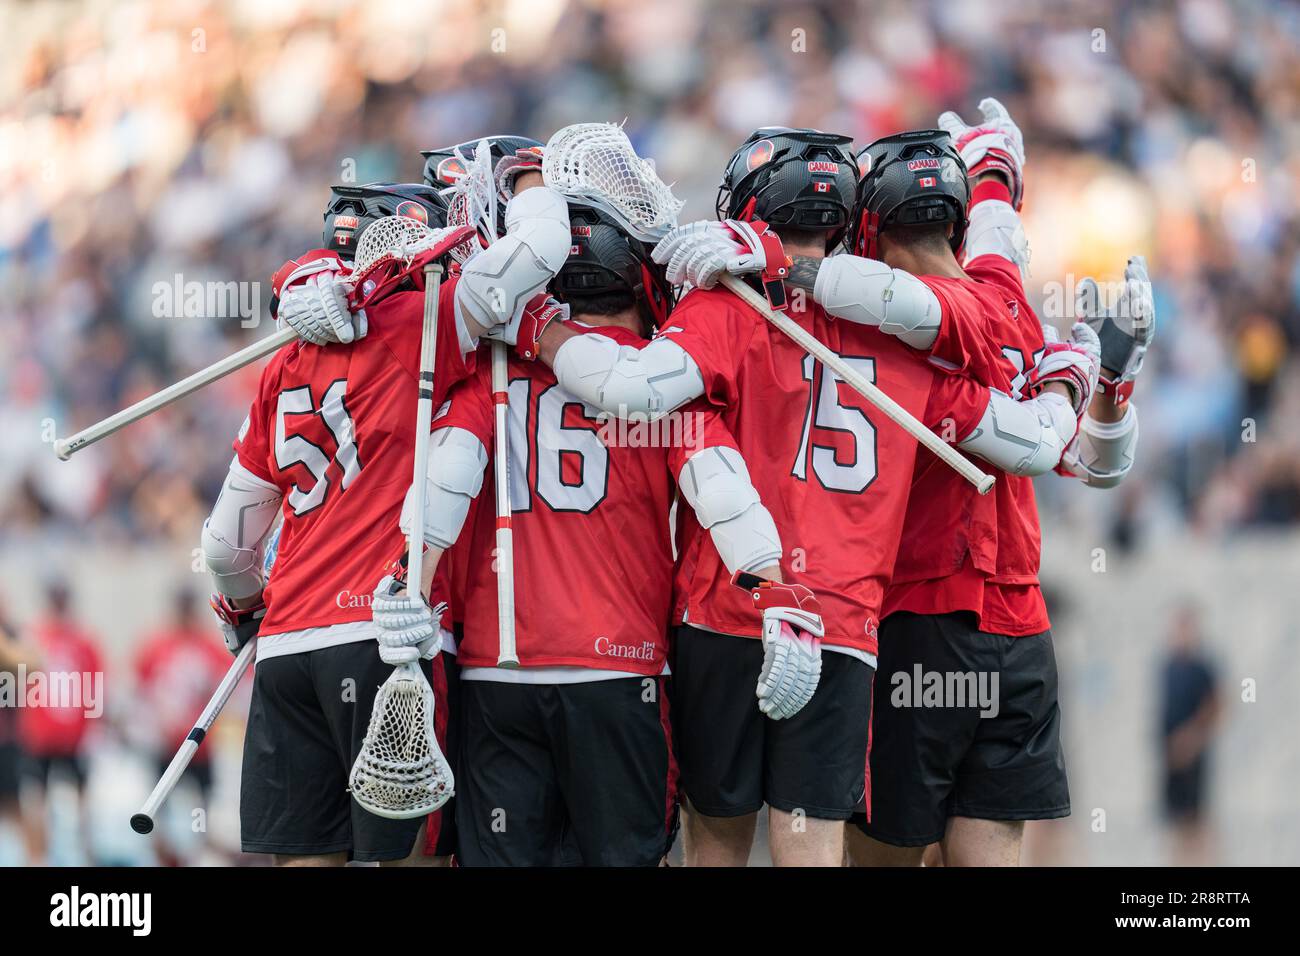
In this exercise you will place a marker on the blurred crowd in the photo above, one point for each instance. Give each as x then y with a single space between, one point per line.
144 145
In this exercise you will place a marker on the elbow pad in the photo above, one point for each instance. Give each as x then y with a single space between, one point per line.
453 478
1105 451
869 292
496 283
715 482
622 380
1023 438
995 229
235 532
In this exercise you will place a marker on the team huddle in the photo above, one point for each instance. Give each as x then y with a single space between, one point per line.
727 564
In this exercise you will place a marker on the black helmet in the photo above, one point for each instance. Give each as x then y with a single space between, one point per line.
352 208
909 179
442 167
603 257
800 178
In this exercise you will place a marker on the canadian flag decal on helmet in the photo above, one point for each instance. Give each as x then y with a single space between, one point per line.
926 182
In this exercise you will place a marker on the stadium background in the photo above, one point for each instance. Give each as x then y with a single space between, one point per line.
140 141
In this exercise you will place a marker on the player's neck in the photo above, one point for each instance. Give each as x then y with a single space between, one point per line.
922 262
627 319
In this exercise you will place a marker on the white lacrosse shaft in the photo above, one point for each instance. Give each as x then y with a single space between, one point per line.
507 655
66 447
867 389
423 422
142 822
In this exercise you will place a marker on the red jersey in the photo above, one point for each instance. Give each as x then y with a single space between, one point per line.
592 549
991 333
333 427
57 727
833 471
176 671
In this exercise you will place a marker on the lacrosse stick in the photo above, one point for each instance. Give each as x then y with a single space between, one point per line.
376 247
860 384
142 822
595 164
472 200
400 771
66 447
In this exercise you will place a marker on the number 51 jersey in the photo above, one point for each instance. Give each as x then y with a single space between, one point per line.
333 427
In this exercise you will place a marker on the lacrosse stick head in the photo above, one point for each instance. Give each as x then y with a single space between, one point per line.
400 772
595 164
393 248
472 199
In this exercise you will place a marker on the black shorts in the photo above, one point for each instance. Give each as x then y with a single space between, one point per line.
734 759
936 755
565 774
440 837
307 720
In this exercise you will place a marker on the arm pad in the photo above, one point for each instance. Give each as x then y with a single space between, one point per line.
619 379
995 229
715 482
454 477
1105 451
871 293
497 282
1023 438
235 532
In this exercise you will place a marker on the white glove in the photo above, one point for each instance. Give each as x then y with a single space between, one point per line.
996 143
699 252
406 628
317 310
1126 330
792 650
1076 363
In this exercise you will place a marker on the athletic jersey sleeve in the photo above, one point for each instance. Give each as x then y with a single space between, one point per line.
254 446
997 271
714 330
469 406
703 427
955 406
966 340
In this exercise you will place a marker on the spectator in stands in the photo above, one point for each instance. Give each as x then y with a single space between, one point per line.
1189 718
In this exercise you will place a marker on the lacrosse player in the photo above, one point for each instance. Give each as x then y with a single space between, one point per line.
569 758
832 471
964 595
327 439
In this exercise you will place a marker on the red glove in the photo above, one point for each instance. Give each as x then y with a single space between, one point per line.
540 312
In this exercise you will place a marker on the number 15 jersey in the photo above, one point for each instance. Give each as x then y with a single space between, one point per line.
834 472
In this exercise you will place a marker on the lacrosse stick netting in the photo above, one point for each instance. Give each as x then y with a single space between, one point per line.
401 772
471 201
595 163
